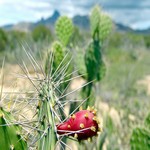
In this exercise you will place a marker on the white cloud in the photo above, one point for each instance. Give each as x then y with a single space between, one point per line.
127 12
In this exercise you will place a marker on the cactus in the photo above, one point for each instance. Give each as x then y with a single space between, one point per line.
95 66
64 29
140 138
82 125
58 69
46 117
10 133
101 24
60 63
48 101
60 53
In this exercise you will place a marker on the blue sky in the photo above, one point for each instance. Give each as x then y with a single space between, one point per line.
135 13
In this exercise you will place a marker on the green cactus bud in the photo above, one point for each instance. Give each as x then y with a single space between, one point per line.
10 135
64 29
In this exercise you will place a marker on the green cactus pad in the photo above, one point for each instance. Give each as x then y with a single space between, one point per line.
105 26
64 29
101 24
95 19
94 63
10 135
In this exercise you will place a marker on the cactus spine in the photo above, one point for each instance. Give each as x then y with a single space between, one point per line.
58 67
46 118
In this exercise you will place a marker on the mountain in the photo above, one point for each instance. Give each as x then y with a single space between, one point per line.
122 28
80 21
49 21
28 26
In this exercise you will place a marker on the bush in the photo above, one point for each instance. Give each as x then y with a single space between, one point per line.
41 33
3 40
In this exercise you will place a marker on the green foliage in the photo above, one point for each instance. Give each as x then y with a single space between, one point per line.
41 33
147 121
3 40
77 37
102 140
10 134
15 37
147 40
64 29
140 139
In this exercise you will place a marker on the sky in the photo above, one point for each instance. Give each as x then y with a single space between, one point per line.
133 13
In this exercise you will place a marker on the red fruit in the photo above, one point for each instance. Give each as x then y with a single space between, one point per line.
82 125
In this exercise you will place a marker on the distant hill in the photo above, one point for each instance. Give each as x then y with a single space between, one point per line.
50 21
123 28
80 21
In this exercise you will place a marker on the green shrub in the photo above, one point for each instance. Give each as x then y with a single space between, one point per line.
41 33
3 40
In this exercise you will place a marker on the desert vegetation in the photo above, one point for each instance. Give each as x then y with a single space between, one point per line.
67 88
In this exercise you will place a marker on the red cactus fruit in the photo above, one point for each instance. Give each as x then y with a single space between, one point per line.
82 125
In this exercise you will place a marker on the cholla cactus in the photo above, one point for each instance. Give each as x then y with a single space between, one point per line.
48 100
